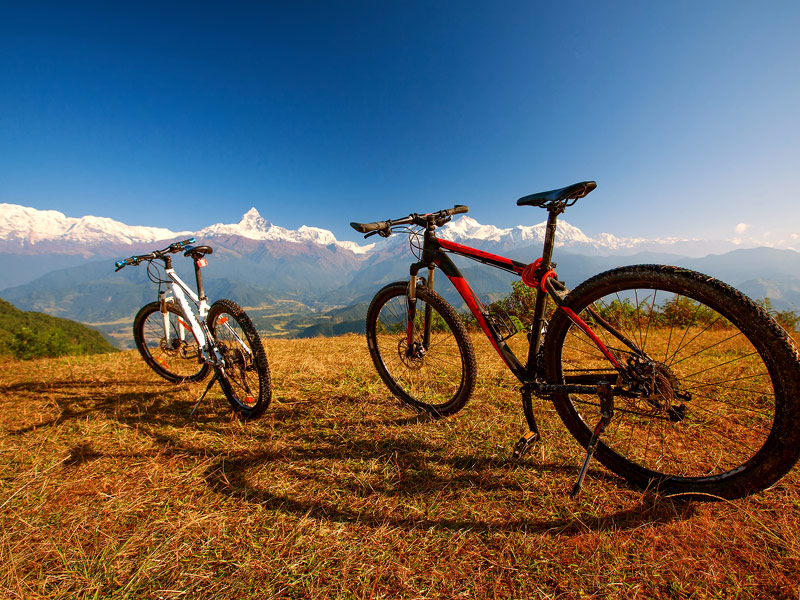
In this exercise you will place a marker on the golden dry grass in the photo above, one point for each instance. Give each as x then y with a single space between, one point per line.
109 490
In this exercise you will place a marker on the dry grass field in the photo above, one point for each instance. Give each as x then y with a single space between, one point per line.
110 490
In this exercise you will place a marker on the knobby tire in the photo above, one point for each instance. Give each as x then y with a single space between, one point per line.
245 379
712 350
172 359
440 378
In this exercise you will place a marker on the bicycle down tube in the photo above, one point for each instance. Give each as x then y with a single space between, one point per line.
179 290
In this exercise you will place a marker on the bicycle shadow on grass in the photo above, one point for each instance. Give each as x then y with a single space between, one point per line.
159 405
423 490
400 479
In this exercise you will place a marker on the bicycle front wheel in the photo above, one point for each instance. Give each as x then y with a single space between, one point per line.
437 377
171 351
245 377
716 381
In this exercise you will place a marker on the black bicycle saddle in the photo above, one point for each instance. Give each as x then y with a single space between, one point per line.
198 251
571 192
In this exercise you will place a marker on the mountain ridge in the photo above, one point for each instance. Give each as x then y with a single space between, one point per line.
26 230
290 279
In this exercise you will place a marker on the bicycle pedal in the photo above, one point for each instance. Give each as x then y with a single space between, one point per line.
524 444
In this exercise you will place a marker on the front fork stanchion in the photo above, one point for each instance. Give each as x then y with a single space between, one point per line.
162 307
604 390
426 337
411 297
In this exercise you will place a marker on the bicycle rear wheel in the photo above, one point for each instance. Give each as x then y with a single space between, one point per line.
719 415
437 378
245 379
176 357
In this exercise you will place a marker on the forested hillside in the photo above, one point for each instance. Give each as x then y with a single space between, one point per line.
28 334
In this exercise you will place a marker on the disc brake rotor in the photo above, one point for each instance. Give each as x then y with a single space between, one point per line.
413 359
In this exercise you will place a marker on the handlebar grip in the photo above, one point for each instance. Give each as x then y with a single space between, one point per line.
125 262
184 243
458 209
367 227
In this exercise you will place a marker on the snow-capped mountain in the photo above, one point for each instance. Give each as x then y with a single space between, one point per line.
22 227
255 227
64 266
30 232
25 230
467 229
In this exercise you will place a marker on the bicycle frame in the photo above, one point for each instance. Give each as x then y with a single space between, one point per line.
435 254
229 355
180 290
198 327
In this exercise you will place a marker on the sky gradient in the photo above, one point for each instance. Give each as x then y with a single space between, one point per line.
180 115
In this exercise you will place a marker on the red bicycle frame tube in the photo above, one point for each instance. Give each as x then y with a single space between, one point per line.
480 255
476 307
588 331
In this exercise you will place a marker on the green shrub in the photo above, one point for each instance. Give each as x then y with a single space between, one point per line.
27 344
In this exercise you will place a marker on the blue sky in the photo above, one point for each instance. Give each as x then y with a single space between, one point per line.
185 114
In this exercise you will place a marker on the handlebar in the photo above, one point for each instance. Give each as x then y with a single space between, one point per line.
384 228
171 249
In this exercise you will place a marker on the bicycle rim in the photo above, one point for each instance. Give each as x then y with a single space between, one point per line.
436 377
177 357
716 397
245 379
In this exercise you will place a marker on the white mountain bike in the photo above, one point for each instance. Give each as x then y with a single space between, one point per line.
182 340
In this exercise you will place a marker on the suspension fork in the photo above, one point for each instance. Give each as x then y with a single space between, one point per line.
411 306
411 298
162 307
426 335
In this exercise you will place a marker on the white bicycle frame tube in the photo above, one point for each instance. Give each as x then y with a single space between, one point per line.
179 291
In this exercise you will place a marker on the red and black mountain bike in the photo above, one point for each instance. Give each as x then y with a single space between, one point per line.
671 378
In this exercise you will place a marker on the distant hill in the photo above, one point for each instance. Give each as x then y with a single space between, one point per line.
338 321
68 336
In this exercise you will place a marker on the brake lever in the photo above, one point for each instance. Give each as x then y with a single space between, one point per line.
369 234
442 220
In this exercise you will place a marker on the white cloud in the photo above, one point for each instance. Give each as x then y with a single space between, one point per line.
741 227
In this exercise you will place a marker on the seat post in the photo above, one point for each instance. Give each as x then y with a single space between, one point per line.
540 305
199 277
550 236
